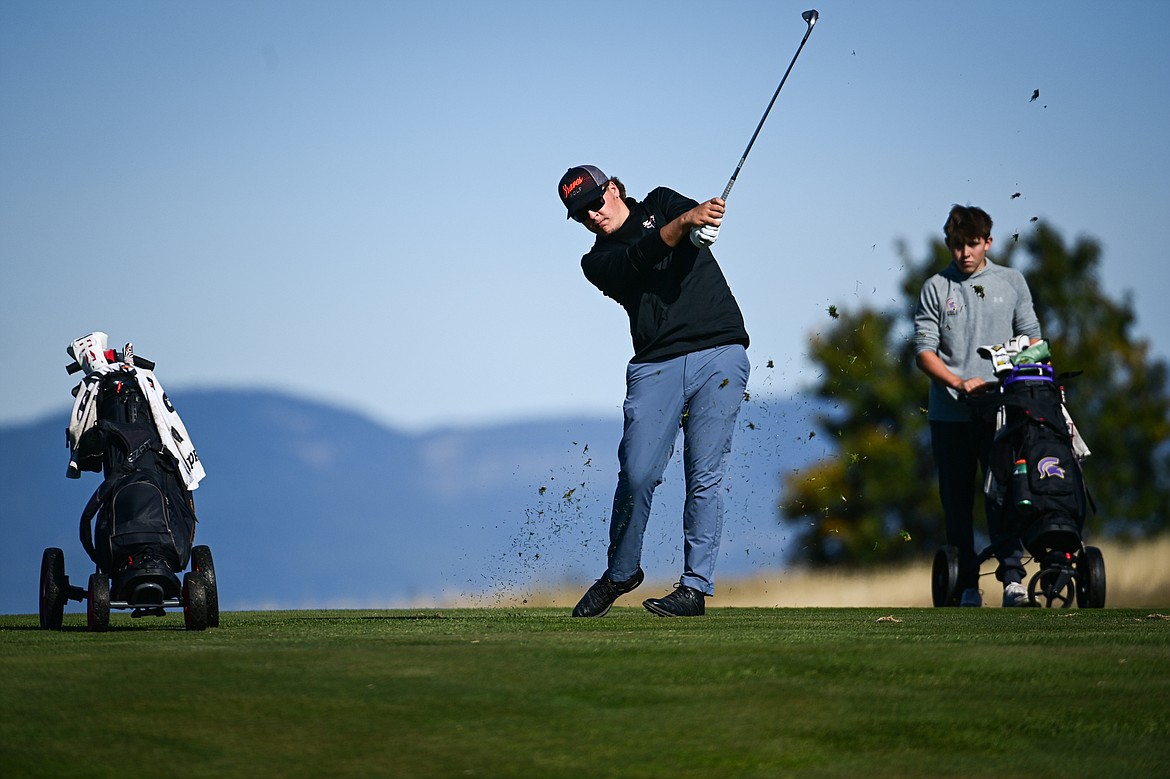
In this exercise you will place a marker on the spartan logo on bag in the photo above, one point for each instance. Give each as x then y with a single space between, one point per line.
1050 467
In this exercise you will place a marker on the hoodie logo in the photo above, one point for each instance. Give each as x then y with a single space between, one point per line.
1049 467
649 223
952 306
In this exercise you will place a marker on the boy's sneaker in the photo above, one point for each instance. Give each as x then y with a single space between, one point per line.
683 602
598 599
1014 594
971 597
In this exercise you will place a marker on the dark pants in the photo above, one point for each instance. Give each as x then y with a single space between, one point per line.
958 448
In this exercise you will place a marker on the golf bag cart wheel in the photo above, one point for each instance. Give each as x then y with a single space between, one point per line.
1052 588
944 577
201 561
97 611
195 600
1091 578
54 588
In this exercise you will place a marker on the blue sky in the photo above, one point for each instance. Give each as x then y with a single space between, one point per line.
354 201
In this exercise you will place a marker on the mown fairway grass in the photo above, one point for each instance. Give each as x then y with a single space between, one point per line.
531 692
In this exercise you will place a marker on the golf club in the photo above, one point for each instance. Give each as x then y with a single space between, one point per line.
810 17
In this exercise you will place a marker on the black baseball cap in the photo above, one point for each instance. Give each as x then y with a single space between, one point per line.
580 186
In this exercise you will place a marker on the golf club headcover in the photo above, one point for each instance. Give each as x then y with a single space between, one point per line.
90 351
705 235
1001 361
1037 352
1018 344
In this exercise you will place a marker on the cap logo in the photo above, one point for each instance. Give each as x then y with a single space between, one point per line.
568 189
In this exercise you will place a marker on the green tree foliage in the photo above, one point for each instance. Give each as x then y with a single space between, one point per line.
875 500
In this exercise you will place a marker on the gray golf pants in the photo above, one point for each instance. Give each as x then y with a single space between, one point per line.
701 393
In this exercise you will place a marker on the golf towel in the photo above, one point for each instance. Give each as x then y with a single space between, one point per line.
170 427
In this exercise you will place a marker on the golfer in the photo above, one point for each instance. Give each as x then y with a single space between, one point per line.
971 303
689 370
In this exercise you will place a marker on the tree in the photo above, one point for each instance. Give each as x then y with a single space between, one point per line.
875 500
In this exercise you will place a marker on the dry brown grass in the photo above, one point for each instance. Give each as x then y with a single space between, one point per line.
1137 576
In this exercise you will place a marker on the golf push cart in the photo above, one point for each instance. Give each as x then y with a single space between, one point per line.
139 525
1035 474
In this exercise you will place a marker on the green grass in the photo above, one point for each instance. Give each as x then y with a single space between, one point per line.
531 692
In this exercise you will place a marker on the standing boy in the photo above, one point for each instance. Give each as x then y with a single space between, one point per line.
972 303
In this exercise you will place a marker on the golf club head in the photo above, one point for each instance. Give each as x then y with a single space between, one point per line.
810 16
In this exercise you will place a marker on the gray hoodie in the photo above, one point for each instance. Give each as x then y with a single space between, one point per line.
957 314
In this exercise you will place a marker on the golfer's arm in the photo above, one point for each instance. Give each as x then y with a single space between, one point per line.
932 365
675 230
708 212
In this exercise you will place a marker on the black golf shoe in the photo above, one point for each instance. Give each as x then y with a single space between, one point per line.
597 599
683 602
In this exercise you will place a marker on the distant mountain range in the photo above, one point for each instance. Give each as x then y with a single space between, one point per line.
309 506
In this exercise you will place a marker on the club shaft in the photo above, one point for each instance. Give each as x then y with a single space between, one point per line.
776 94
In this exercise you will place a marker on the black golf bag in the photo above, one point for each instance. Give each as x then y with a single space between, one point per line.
142 514
1034 462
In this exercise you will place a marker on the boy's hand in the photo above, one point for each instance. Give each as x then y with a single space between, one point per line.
974 386
706 213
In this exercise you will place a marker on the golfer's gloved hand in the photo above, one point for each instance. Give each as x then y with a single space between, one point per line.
705 235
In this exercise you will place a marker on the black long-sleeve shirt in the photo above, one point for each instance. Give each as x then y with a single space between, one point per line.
677 299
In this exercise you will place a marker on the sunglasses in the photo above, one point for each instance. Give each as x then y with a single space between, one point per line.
596 205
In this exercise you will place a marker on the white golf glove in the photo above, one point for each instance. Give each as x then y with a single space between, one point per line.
705 235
